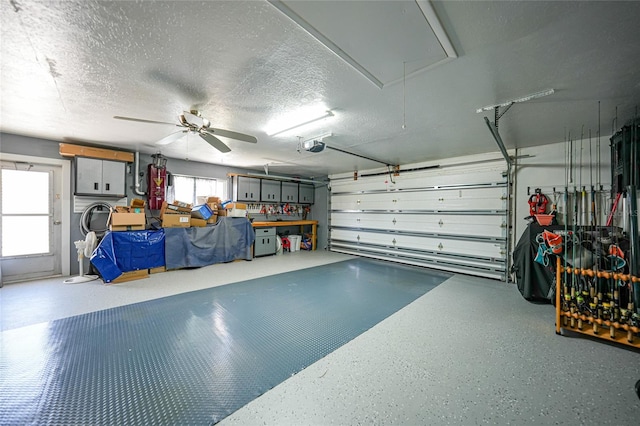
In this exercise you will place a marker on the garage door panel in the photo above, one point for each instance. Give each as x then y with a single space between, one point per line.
433 244
493 198
449 177
465 225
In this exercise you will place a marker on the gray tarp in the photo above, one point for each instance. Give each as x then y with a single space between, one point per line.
229 239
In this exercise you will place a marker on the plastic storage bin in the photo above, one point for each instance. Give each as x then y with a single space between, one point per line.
295 242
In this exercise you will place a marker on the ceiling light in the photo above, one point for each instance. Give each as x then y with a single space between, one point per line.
304 123
518 100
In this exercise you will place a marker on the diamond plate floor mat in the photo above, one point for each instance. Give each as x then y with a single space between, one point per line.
195 358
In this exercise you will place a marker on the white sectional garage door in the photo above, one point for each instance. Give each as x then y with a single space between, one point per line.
452 218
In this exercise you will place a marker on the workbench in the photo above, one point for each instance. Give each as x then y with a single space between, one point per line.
301 223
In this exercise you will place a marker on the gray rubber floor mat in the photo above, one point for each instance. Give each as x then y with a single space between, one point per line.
196 357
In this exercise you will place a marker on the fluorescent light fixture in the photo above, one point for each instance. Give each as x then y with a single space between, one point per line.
320 137
518 100
304 123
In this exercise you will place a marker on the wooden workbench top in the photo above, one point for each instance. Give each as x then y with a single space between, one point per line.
285 223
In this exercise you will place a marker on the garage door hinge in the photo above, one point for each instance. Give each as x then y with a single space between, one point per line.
394 241
441 223
440 246
394 221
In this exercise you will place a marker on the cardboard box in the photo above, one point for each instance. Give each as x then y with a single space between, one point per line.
236 212
199 223
201 212
174 220
120 220
130 276
213 219
240 206
137 205
182 206
158 270
222 212
172 208
122 228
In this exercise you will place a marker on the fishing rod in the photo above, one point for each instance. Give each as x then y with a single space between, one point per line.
613 285
598 280
579 300
633 225
593 192
583 193
574 283
567 297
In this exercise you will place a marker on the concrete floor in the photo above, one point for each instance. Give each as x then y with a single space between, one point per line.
471 351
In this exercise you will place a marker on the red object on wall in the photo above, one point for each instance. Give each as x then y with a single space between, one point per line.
157 181
156 186
538 203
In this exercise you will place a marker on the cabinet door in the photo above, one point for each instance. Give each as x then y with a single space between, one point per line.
270 191
306 194
265 242
113 178
247 189
88 176
290 192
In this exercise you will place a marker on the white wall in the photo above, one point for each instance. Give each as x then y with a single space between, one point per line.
544 167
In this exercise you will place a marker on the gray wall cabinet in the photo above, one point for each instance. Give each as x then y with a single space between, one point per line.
306 193
289 192
100 177
247 189
270 191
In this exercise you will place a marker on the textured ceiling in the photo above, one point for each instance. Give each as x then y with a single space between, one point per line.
68 67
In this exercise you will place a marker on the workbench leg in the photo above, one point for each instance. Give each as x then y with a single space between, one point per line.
313 236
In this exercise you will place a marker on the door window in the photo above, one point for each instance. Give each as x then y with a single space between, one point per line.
26 212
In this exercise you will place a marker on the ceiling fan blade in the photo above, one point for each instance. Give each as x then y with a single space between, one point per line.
214 142
140 120
233 135
172 137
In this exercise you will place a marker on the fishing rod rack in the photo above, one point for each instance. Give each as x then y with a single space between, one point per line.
595 312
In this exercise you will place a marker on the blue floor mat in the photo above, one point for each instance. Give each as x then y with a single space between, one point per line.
195 358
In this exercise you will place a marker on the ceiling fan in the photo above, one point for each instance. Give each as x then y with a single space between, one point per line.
193 122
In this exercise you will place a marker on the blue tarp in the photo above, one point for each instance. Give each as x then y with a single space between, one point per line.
125 251
229 239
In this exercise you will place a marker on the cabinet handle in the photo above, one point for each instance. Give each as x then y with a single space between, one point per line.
107 187
96 186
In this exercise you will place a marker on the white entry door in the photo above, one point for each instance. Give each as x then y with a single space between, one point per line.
31 215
